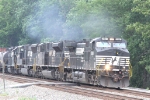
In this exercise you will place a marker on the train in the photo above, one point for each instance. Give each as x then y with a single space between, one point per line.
101 61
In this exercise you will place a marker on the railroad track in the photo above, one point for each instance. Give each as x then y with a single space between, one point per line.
86 90
97 94
133 92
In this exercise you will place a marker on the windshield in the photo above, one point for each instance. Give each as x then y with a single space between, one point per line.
119 45
103 44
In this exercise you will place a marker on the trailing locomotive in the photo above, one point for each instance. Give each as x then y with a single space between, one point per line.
100 61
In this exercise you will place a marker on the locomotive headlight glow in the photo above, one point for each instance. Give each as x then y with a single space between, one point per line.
107 67
117 53
124 68
118 39
111 39
104 38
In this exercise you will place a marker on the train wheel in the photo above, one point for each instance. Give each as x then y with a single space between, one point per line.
36 74
30 73
78 84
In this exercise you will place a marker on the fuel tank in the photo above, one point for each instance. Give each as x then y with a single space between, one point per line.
48 74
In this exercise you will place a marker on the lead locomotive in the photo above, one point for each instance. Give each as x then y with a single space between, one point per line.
100 61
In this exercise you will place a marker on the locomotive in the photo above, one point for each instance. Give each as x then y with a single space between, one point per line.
100 61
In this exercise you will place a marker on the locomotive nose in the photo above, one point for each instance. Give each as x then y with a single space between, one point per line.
113 52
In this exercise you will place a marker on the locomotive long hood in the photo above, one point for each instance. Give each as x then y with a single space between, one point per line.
113 52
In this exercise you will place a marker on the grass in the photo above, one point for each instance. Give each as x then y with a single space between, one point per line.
26 98
147 88
4 94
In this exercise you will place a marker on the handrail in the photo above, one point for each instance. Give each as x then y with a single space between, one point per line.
98 67
130 70
34 65
61 69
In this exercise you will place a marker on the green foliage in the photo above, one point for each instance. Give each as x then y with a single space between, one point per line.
138 34
45 40
12 14
148 68
90 17
4 94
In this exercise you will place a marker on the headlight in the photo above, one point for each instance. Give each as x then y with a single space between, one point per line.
107 67
124 68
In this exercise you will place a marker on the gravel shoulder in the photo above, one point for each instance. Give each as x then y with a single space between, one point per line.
36 93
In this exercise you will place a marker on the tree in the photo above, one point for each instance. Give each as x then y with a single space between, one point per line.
10 24
12 15
138 35
99 17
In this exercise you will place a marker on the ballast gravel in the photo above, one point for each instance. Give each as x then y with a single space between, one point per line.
36 93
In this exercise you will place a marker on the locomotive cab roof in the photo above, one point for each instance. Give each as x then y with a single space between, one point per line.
34 45
111 39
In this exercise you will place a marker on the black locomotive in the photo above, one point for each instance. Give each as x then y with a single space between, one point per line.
100 61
